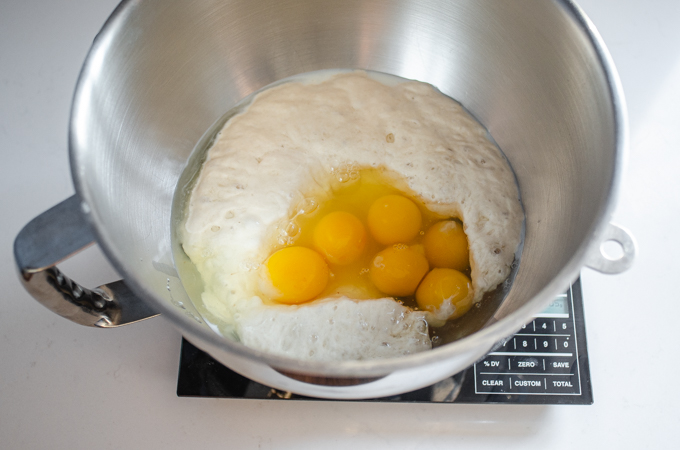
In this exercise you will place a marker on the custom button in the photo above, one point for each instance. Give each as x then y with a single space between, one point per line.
528 384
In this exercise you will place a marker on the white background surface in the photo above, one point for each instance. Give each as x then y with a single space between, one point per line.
67 386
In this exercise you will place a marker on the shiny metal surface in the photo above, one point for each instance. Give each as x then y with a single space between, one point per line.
55 235
534 72
600 261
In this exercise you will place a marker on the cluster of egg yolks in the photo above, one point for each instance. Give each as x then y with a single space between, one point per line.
404 241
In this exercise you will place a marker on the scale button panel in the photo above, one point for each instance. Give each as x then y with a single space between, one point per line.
542 358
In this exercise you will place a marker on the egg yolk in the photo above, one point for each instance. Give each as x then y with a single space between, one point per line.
397 270
340 237
445 285
393 219
446 245
296 274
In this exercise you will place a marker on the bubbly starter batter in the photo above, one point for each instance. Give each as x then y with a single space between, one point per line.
288 150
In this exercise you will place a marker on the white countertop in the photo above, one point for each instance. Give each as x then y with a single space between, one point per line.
64 386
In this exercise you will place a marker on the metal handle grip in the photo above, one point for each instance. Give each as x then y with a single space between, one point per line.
54 236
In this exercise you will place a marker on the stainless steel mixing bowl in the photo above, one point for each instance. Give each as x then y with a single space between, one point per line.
161 72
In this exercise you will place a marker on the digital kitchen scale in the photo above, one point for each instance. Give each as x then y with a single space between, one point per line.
546 362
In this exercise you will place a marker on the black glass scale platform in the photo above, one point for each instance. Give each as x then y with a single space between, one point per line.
546 362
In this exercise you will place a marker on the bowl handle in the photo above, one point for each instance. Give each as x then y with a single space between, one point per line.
598 260
54 236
